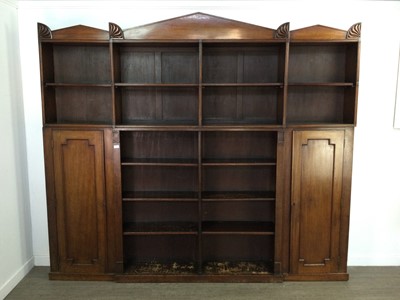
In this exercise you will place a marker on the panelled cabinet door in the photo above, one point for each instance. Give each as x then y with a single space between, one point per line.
317 167
79 179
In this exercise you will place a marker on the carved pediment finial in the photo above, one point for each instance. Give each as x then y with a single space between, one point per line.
115 31
44 31
354 32
283 31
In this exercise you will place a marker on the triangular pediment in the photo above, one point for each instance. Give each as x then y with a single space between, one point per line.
199 26
78 32
318 32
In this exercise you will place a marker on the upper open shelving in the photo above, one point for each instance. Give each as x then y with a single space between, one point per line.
199 70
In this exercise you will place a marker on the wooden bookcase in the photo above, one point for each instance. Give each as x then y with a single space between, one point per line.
199 149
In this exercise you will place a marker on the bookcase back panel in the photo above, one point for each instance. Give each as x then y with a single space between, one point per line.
159 178
239 146
242 65
144 211
83 105
238 211
159 65
240 105
81 64
239 179
160 249
159 105
159 146
238 248
316 105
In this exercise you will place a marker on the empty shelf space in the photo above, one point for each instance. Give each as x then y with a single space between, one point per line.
239 228
149 228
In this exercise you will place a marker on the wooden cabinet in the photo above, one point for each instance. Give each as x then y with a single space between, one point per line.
318 201
179 154
79 199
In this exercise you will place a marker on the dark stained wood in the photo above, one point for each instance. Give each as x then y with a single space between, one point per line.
80 197
318 32
80 32
200 26
317 179
199 149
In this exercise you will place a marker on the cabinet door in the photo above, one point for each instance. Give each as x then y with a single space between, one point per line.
79 189
316 196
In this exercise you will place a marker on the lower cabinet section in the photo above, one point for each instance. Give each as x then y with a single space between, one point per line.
319 204
200 207
77 201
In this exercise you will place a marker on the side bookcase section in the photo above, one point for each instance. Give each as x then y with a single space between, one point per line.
199 149
76 76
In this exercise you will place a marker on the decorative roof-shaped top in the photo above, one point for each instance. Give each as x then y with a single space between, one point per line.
319 32
197 26
78 32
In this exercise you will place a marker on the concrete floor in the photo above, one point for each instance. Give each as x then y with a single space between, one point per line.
366 283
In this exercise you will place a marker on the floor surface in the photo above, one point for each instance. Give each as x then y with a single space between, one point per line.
366 283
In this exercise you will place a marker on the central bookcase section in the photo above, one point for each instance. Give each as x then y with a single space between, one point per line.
199 122
198 202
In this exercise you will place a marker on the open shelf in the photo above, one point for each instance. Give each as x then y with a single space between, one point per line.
159 147
233 104
158 105
157 64
322 62
320 104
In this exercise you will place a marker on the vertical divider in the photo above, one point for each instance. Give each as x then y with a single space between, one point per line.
239 90
199 159
114 67
158 79
285 82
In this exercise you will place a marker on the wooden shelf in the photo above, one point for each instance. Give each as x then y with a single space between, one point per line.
156 85
77 85
238 162
160 196
160 228
238 228
266 84
322 84
238 196
161 162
